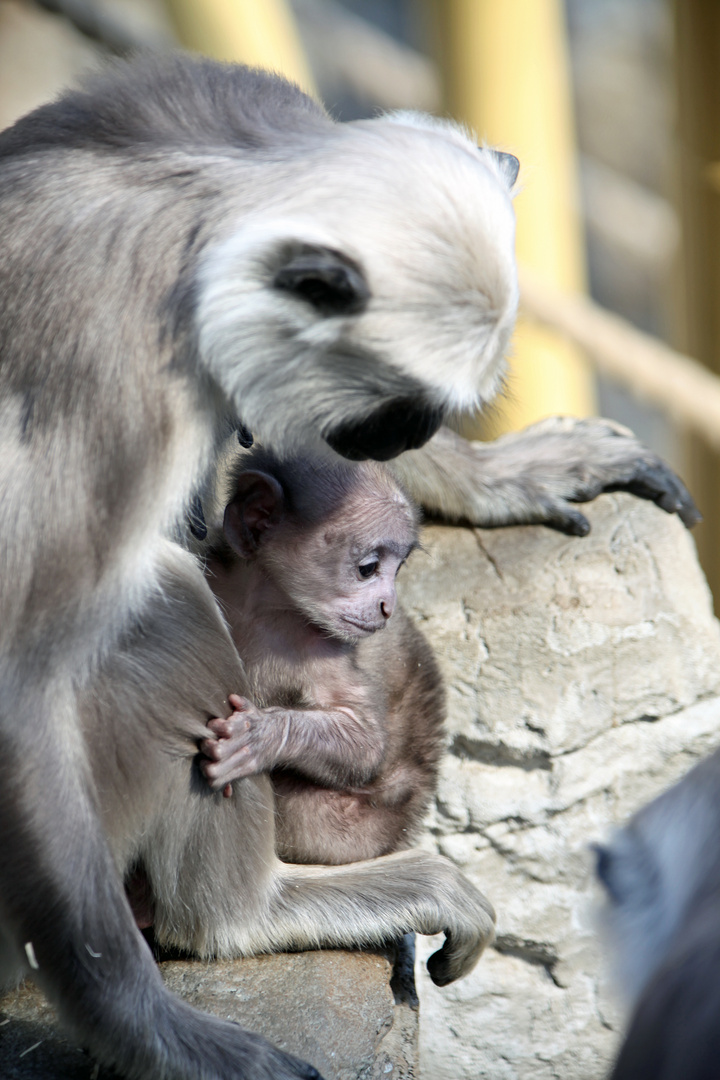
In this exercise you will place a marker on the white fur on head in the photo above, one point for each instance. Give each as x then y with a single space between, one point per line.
462 136
428 220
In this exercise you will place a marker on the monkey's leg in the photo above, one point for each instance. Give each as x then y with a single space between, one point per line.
536 475
64 909
368 903
224 893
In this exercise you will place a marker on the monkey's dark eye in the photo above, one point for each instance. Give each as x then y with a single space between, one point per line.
366 570
327 280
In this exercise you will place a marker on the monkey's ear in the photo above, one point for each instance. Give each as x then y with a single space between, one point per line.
257 505
626 869
509 166
327 280
605 870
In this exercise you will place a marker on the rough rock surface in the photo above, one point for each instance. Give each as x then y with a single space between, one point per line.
350 1014
583 677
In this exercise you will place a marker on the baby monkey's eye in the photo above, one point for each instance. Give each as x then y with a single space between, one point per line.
367 569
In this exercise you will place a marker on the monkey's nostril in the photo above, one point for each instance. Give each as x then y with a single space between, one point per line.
386 609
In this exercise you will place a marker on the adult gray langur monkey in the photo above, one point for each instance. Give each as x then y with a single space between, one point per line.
183 243
661 875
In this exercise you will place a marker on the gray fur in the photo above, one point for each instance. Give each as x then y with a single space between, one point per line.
143 223
661 874
537 476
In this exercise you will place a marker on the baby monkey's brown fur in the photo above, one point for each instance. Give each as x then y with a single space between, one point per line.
347 720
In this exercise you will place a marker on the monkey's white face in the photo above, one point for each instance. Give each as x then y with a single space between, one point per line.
374 293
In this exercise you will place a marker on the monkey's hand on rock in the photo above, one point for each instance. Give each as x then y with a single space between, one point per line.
533 477
466 917
245 745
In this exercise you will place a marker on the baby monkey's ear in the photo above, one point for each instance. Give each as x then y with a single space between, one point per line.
258 505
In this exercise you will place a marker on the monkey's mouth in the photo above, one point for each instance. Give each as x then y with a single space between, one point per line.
340 629
398 425
357 629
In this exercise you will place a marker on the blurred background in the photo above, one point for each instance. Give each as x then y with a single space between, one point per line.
612 106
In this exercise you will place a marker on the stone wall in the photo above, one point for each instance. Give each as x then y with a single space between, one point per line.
582 677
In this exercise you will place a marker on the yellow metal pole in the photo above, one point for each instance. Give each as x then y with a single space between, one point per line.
697 71
506 74
262 34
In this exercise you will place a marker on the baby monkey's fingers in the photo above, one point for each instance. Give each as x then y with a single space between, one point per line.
233 749
227 727
240 762
240 704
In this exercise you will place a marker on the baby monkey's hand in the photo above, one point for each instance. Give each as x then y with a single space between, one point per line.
240 747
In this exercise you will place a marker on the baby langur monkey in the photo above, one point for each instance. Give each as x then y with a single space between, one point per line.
661 875
347 721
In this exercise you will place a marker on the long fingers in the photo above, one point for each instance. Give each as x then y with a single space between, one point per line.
241 764
461 950
654 480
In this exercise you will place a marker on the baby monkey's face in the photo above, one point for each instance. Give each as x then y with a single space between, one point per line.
341 574
328 545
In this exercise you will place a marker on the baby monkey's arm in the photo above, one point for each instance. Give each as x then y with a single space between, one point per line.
335 747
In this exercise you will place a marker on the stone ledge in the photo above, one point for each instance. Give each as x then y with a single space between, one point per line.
353 1015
